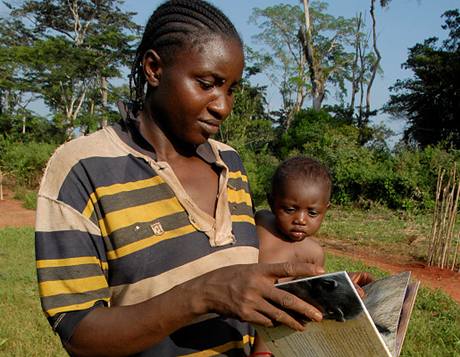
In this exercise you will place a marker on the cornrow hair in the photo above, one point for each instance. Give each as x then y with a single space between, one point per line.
300 167
174 25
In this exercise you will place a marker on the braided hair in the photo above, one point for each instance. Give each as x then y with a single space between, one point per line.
174 25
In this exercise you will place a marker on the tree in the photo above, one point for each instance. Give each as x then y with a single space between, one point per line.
308 51
74 47
430 102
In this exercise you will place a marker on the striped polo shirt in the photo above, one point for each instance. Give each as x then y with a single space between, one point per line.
115 227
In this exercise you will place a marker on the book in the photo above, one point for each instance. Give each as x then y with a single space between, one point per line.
373 326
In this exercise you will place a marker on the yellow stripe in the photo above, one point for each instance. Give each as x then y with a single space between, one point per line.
223 348
243 218
118 188
240 196
57 263
237 175
74 286
89 209
138 214
147 242
82 306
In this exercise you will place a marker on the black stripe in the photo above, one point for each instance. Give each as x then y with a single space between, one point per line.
51 302
233 161
237 209
139 231
245 233
204 335
69 272
68 244
238 184
89 174
164 256
123 200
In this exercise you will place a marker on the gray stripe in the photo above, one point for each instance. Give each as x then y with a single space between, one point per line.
134 198
238 184
237 209
51 302
68 244
69 272
138 231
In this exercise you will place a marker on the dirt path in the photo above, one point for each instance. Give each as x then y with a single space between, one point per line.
12 214
446 280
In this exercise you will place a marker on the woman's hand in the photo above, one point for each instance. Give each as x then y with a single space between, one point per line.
248 292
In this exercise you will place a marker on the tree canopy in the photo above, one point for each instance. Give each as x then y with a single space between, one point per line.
66 53
430 101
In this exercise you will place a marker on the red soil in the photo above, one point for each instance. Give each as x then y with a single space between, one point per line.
435 278
12 214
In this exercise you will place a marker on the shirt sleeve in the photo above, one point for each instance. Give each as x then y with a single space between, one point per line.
72 268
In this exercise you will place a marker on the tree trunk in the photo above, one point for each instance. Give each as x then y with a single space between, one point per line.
104 95
375 66
355 76
316 73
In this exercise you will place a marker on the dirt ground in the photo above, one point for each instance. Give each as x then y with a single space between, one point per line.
12 214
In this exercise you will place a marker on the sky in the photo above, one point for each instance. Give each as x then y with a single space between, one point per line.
400 26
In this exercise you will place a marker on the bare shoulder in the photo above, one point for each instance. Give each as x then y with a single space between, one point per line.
265 225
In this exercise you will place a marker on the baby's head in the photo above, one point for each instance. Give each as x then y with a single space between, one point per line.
299 197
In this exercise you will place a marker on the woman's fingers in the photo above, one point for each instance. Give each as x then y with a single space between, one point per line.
288 302
287 269
275 316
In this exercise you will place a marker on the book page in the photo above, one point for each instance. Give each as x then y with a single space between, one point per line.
352 338
384 300
347 329
406 312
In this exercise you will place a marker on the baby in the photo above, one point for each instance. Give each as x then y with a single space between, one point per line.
298 199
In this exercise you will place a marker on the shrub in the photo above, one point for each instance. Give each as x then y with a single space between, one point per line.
404 179
25 161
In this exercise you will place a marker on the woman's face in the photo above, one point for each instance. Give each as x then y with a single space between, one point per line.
194 93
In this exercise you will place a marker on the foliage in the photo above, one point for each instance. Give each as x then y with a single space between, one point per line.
431 100
68 51
365 174
249 130
25 161
282 27
28 197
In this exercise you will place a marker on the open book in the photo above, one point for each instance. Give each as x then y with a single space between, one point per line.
373 326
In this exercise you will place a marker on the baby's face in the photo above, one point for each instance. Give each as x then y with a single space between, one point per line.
299 208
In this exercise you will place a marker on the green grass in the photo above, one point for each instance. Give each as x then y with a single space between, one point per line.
24 330
385 230
434 329
27 196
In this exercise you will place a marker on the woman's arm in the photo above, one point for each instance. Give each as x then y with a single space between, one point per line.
243 291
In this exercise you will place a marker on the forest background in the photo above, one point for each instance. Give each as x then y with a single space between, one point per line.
71 55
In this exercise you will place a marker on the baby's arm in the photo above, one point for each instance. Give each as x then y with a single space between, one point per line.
310 251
